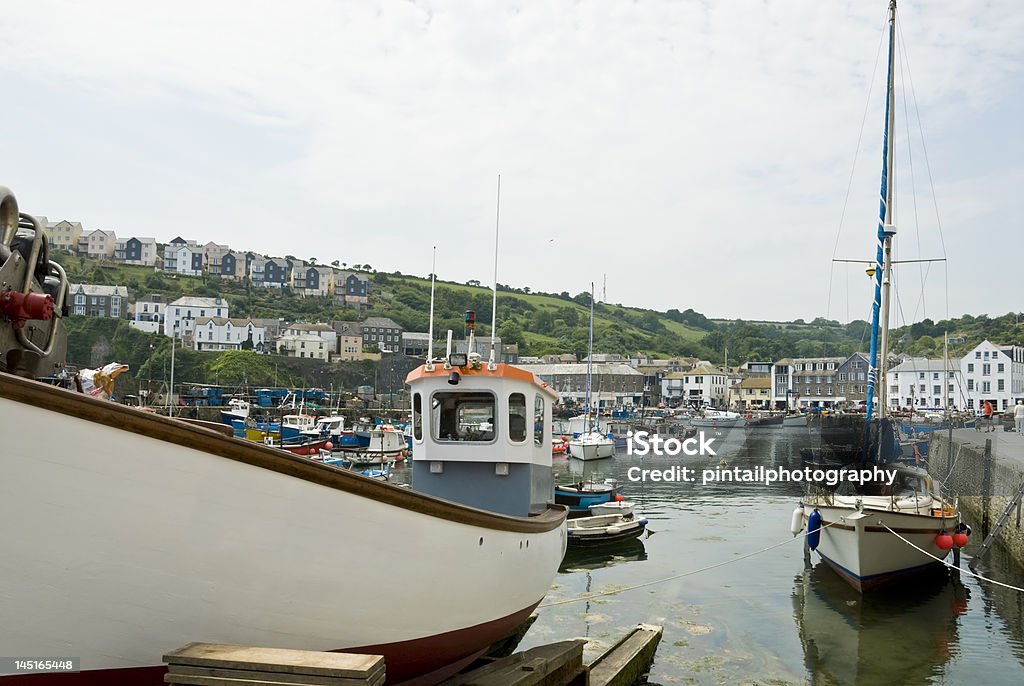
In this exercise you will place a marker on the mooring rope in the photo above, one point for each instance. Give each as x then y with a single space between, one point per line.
952 566
615 591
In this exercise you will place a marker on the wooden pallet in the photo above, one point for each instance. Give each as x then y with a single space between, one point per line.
211 664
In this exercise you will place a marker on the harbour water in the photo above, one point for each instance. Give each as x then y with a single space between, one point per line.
766 619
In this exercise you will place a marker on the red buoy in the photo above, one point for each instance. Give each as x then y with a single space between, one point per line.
944 541
960 539
329 445
619 497
312 451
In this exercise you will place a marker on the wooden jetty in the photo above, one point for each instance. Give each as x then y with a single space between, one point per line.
554 664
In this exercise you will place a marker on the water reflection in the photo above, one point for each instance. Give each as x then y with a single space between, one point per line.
591 558
894 636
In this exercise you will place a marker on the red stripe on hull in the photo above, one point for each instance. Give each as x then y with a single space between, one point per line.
418 662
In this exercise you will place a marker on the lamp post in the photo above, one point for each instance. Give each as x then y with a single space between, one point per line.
170 389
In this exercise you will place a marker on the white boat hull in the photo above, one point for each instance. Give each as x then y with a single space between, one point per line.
591 449
716 422
866 555
124 543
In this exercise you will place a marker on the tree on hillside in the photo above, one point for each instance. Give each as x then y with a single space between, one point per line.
583 298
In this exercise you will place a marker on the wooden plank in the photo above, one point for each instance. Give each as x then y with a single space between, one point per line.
280 677
187 680
348 665
625 663
554 664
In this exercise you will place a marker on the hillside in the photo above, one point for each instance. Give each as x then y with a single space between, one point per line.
543 323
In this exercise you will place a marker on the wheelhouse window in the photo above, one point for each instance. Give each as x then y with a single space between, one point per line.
417 417
538 421
517 417
463 416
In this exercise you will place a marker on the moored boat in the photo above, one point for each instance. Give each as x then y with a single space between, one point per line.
153 533
716 419
580 496
604 529
874 532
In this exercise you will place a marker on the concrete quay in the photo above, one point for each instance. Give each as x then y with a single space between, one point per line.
985 470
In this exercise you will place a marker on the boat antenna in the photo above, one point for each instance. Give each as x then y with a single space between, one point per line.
430 327
494 303
448 352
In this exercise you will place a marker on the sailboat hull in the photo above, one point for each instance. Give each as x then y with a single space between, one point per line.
860 549
151 534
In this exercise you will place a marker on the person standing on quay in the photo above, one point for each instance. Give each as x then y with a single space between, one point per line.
988 416
1018 417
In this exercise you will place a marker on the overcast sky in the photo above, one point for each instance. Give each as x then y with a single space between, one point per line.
697 153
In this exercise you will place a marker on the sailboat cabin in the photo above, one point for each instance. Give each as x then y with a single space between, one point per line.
481 434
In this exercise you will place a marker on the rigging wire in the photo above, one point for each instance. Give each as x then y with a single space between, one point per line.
853 169
952 566
927 163
904 67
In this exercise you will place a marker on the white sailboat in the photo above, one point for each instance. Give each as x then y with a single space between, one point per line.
591 444
856 533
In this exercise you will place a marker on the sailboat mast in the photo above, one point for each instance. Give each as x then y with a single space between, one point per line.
883 257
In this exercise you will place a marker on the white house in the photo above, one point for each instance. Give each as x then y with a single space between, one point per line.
181 314
303 345
183 259
918 383
993 372
324 332
221 333
148 314
702 385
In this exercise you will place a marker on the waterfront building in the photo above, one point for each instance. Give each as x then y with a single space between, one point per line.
995 373
917 383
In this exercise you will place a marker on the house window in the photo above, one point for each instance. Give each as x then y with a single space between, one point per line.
986 387
986 369
970 384
1000 385
970 367
999 367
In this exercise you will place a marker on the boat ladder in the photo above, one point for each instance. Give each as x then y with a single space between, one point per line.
990 539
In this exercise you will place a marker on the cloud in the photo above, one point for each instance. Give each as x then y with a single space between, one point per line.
697 153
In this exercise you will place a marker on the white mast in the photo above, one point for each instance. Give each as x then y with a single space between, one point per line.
430 326
494 303
890 230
